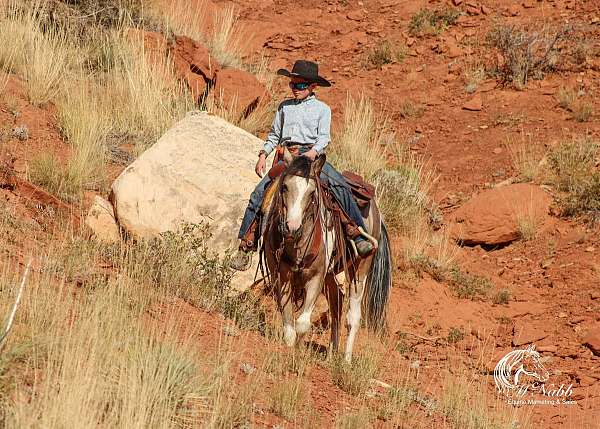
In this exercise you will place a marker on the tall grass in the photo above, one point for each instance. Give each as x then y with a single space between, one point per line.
227 43
365 145
42 58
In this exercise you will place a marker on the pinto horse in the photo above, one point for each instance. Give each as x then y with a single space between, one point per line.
304 248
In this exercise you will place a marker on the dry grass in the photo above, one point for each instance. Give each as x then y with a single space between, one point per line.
428 22
355 378
528 53
385 53
363 418
227 42
363 145
41 58
527 158
466 406
287 398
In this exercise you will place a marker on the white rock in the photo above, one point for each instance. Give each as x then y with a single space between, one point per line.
201 170
101 220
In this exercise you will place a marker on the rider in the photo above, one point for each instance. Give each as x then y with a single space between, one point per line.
300 123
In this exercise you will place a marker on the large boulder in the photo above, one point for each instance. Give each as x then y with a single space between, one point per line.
239 90
501 215
201 170
592 340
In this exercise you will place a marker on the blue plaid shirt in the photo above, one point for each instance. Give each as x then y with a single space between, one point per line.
305 122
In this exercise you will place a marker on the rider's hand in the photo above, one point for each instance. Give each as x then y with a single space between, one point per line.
311 154
261 165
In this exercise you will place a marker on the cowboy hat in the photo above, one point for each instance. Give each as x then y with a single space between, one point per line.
306 70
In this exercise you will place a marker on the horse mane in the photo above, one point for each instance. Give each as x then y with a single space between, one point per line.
300 166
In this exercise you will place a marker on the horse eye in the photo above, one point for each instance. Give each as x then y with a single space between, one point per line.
284 188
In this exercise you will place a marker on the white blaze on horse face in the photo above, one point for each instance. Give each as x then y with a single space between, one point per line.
297 197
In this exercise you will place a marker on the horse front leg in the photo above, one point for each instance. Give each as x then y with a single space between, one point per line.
286 305
313 288
357 291
334 299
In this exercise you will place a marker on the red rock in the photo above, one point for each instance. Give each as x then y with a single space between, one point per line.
475 104
592 340
546 349
513 10
355 15
189 55
193 65
528 4
473 10
492 217
526 334
239 88
485 10
457 2
155 44
453 50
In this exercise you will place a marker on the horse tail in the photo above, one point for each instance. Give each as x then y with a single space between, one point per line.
379 283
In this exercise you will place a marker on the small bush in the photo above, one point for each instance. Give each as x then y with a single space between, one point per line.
582 111
410 109
385 53
46 171
502 297
527 54
469 286
455 335
566 97
430 22
573 163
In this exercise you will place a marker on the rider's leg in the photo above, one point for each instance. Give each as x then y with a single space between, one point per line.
254 203
241 260
342 193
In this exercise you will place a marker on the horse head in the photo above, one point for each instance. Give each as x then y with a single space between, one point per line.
298 189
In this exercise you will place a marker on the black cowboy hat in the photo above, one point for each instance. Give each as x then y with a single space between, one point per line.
306 70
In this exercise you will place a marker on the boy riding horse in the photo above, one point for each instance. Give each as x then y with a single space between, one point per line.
302 124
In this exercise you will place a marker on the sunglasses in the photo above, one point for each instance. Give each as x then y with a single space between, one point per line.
300 86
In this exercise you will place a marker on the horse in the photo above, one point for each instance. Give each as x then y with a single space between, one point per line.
518 363
303 248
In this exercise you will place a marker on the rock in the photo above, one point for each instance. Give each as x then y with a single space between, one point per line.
475 104
193 65
493 216
101 221
595 295
547 349
238 89
526 334
355 15
592 340
201 170
155 44
453 50
457 2
485 10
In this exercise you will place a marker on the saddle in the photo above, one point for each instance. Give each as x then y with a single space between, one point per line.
362 191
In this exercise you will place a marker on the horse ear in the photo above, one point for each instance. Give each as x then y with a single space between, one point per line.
287 156
318 164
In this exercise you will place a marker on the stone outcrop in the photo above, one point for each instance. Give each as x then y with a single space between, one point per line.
239 90
500 215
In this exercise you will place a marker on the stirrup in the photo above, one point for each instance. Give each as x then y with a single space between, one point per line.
369 238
